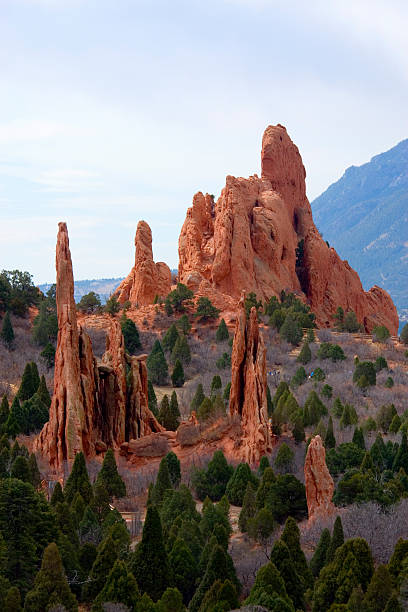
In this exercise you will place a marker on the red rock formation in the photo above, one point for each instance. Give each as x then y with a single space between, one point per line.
146 279
248 240
248 386
92 407
318 482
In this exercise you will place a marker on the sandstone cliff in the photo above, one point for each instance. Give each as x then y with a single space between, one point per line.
318 481
92 406
248 386
146 279
248 240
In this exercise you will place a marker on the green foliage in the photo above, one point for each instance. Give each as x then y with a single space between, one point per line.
262 525
298 378
177 376
344 457
380 364
109 476
112 306
291 537
178 298
358 438
318 561
298 431
389 383
213 481
50 585
45 324
216 385
313 409
149 562
281 557
223 362
286 497
404 334
205 410
184 569
221 596
17 292
350 323
20 469
173 465
222 333
327 391
101 569
120 587
170 338
57 495
181 351
163 482
249 508
329 439
206 310
336 541
252 302
48 355
157 365
7 331
89 303
381 333
184 324
151 398
349 416
291 330
379 590
269 590
331 351
384 417
29 382
367 369
305 354
169 414
284 457
198 398
43 393
401 458
130 335
238 482
78 480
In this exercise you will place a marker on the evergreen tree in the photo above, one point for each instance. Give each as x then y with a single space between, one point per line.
163 482
401 458
4 410
379 590
280 556
291 330
263 464
222 333
198 398
101 568
35 476
20 469
329 439
219 567
314 409
393 605
206 310
130 335
149 562
120 587
318 561
112 306
86 557
206 409
249 508
184 324
170 338
337 539
43 393
157 365
269 589
50 585
173 465
227 391
395 424
169 415
7 331
48 355
221 596
298 431
284 457
99 503
291 537
184 569
78 509
216 385
78 480
177 377
12 602
152 399
57 495
358 438
27 385
109 476
305 354
268 479
181 351
237 484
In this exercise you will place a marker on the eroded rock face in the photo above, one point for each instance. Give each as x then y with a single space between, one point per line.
146 279
248 240
93 407
318 481
248 386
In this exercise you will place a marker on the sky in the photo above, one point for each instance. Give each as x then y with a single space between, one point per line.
112 111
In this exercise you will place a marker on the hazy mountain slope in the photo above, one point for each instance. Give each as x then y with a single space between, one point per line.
103 286
364 215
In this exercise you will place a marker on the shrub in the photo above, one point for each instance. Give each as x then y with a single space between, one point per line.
130 335
291 330
331 351
222 333
157 365
91 302
389 383
327 391
177 377
305 354
380 333
299 378
206 310
177 298
367 369
380 364
112 306
284 457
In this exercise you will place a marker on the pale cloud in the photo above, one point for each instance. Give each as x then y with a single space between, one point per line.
69 180
20 131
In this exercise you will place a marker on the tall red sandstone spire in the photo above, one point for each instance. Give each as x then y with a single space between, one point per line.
146 279
318 481
248 240
248 385
62 437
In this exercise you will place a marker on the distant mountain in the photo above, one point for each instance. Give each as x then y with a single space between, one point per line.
364 216
103 286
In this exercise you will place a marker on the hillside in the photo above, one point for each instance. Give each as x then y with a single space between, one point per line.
103 286
364 216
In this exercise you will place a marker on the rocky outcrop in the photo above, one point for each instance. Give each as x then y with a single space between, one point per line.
318 481
146 279
93 406
249 237
248 386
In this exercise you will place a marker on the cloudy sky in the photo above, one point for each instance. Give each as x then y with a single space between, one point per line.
113 111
